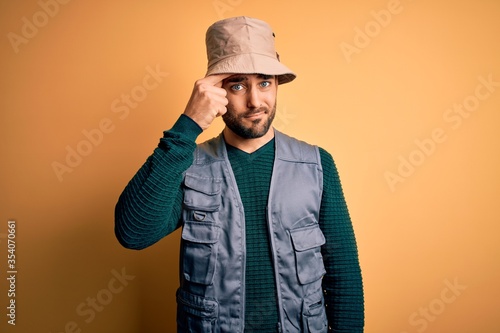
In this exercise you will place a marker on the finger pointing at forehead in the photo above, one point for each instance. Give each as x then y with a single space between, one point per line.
216 79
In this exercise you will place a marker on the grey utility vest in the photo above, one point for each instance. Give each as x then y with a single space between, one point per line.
211 297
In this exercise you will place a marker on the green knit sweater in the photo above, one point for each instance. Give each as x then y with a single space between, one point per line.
150 208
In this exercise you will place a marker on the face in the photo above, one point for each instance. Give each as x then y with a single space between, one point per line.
252 104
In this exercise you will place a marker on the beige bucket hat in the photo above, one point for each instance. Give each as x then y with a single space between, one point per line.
244 45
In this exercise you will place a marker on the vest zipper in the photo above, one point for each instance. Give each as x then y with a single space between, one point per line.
229 171
273 252
270 201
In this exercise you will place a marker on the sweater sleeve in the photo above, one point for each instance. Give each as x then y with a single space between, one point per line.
150 206
342 284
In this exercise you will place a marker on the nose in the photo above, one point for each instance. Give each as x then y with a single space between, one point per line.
253 98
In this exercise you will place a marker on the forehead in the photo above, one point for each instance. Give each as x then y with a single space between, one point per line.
246 77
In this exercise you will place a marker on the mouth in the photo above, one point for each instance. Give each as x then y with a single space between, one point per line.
255 114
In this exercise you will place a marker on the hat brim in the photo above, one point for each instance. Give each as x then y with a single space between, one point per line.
252 63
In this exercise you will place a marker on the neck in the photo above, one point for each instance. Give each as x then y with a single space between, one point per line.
247 145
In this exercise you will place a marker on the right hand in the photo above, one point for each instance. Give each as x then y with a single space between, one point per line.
208 100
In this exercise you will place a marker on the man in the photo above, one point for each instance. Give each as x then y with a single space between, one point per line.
267 242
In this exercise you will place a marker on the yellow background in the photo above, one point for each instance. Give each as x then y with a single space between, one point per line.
434 226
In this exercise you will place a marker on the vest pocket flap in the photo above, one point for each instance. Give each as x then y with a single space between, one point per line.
307 238
206 185
202 193
198 232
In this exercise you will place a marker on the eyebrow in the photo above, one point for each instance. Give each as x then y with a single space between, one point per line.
244 78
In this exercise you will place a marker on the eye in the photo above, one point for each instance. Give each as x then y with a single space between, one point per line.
237 87
265 84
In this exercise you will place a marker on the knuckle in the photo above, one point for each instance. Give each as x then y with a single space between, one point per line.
198 83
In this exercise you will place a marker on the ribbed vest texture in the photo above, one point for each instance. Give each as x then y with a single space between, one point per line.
211 297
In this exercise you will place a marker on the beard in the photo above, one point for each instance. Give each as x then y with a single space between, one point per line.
258 127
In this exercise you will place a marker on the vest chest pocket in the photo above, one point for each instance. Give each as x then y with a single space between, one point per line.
307 243
200 233
202 194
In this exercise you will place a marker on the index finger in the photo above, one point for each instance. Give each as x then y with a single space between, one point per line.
216 79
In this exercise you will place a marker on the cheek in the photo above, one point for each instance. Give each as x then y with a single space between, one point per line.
235 104
230 111
271 101
230 107
270 97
